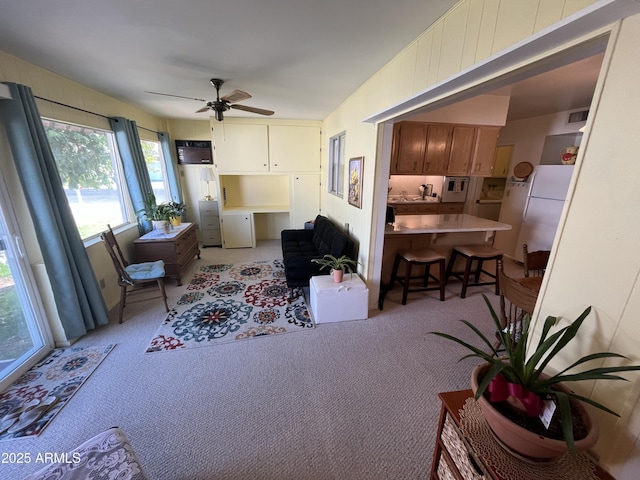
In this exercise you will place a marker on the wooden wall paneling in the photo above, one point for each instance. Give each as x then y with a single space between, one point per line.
515 22
423 62
454 24
436 49
474 17
487 29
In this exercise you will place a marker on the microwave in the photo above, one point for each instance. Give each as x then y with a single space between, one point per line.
454 189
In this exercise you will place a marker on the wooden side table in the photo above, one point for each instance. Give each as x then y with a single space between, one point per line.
176 249
455 458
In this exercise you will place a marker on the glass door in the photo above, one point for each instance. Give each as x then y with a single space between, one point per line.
24 333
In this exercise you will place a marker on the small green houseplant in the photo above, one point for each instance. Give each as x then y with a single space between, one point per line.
177 210
338 265
521 372
158 214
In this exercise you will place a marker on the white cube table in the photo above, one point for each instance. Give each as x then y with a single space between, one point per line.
336 302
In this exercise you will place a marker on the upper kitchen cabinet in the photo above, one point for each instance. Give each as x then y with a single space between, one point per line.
241 147
484 152
262 148
502 160
461 152
408 152
443 149
294 148
437 150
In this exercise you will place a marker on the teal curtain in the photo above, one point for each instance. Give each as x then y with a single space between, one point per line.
75 288
136 173
171 167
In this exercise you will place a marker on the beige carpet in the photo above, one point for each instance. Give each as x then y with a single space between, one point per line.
346 400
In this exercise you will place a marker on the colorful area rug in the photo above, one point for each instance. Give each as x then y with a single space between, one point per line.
226 302
59 374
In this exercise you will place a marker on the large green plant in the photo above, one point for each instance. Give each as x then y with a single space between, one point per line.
523 367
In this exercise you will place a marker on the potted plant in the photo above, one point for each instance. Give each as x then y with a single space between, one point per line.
512 390
338 265
177 210
158 214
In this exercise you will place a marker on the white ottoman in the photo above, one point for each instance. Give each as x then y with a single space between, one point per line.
336 302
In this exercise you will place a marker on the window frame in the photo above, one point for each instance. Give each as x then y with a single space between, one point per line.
126 207
337 164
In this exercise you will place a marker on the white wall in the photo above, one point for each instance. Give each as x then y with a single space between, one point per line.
527 136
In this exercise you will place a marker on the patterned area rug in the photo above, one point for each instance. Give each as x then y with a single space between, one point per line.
226 302
59 374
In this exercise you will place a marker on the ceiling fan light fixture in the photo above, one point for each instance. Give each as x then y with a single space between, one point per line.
219 116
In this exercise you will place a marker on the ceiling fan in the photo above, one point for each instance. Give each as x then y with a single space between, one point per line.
221 105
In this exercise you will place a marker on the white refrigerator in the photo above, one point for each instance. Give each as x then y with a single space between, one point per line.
545 201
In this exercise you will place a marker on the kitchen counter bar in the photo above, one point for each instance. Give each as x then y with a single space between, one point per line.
412 224
439 232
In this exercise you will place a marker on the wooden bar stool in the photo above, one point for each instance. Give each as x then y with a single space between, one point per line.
425 257
479 254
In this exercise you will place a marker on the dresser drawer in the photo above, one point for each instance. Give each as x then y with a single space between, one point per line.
210 222
459 452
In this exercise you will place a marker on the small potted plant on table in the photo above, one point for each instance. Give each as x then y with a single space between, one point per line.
177 210
338 265
512 390
158 214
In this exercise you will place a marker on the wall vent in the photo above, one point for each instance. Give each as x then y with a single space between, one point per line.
576 117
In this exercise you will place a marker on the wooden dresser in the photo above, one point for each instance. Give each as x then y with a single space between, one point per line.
455 458
176 249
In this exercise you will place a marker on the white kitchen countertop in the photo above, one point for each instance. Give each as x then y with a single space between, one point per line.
448 223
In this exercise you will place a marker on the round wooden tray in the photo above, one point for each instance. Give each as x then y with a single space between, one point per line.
522 170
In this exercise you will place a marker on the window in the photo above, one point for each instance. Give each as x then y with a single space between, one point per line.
157 170
336 164
91 173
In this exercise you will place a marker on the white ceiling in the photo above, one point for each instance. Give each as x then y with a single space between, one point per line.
298 58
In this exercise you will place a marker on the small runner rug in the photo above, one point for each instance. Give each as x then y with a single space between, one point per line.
228 302
60 374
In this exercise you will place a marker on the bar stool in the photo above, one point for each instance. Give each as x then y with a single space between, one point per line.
425 257
479 253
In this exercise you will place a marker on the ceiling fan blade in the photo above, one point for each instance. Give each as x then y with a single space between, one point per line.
235 96
203 109
177 96
252 109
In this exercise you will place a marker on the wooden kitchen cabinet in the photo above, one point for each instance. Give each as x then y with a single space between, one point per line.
461 152
437 149
408 152
451 208
484 151
176 249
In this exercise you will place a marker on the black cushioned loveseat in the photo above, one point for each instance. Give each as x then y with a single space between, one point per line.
300 246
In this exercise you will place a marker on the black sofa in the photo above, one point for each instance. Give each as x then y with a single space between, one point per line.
300 246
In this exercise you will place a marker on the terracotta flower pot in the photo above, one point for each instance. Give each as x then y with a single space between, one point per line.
523 441
337 275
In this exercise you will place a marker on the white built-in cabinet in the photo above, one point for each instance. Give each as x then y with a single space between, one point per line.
257 148
268 177
237 230
305 198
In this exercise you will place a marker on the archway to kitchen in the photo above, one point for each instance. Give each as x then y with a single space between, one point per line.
561 81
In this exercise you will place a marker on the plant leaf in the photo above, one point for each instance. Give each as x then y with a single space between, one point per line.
566 420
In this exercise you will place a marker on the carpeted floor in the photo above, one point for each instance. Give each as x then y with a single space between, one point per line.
226 302
59 375
344 400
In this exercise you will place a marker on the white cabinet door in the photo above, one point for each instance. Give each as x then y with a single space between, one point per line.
305 199
241 148
294 148
237 230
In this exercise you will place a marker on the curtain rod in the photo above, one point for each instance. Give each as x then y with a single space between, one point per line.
89 112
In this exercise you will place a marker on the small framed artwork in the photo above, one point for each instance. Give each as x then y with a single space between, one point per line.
355 181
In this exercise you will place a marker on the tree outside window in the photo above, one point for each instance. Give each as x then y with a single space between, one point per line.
90 172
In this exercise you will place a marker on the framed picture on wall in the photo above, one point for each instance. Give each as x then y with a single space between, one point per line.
355 181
